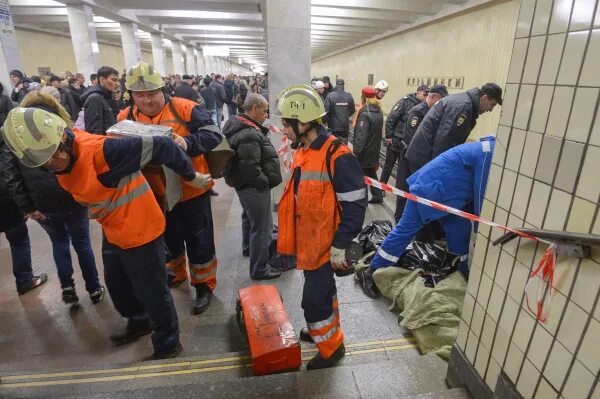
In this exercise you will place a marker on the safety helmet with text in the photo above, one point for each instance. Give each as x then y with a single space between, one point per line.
33 135
300 102
381 85
143 77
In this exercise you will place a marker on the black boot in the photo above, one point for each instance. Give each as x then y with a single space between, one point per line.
132 332
167 354
368 284
319 362
305 335
203 296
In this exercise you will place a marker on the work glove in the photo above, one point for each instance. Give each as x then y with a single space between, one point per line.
337 257
201 181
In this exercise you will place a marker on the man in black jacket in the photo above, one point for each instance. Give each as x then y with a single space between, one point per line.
209 95
66 98
339 106
184 90
394 128
253 172
97 101
449 123
221 97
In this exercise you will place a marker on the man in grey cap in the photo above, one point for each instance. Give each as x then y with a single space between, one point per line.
449 123
413 120
394 128
339 106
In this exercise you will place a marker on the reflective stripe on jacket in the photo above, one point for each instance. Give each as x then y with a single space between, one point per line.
129 214
309 220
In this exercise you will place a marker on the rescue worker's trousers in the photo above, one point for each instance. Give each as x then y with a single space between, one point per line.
458 232
190 227
137 282
320 304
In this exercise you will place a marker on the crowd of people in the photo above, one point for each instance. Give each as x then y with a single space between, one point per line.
59 167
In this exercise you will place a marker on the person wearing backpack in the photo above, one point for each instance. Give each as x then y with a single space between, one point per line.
253 172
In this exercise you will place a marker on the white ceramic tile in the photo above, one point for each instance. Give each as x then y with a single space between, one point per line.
525 18
479 254
545 391
588 281
461 337
534 59
487 334
472 343
588 186
541 17
581 217
526 252
509 315
524 104
591 64
572 58
493 371
500 345
496 301
561 13
491 192
537 204
559 114
481 361
597 19
559 302
474 278
579 383
564 273
582 114
523 330
557 210
583 12
505 266
515 149
533 144
548 159
558 364
485 289
512 246
508 104
477 320
500 148
517 61
527 380
572 327
518 281
588 353
595 136
514 360
569 166
468 306
552 57
491 261
507 189
540 344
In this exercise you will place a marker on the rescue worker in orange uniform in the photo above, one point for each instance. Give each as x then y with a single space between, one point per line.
322 209
103 173
189 222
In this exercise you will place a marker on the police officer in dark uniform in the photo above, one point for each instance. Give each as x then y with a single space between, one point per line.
394 128
413 120
449 123
339 106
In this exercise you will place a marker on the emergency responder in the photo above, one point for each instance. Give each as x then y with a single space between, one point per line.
394 129
322 209
381 88
189 223
449 123
104 173
455 178
339 107
413 120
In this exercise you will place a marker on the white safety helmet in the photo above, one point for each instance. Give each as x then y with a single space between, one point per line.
381 85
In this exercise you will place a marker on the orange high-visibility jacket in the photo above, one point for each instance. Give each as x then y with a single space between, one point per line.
309 220
129 214
166 118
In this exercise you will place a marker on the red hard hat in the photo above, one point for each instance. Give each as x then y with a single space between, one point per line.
369 92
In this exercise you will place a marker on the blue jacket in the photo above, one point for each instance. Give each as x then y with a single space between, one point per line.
455 178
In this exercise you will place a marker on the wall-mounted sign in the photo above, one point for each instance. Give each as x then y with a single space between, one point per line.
451 82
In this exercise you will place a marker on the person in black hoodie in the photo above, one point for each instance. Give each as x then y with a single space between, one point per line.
253 172
37 193
98 106
367 138
21 84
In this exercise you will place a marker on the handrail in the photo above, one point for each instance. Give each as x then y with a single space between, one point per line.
569 244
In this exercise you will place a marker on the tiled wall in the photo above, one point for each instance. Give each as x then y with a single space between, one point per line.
545 174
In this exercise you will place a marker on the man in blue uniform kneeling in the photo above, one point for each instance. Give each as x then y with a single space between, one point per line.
456 178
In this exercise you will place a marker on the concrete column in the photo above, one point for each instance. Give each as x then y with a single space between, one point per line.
131 44
200 67
159 58
287 29
83 36
9 49
178 68
190 61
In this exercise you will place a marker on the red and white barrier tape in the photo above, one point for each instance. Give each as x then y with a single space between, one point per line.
284 151
544 272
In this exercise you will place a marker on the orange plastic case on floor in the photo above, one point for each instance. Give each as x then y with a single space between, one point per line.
274 346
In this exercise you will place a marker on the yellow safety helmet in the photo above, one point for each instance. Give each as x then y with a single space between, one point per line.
33 134
299 102
143 77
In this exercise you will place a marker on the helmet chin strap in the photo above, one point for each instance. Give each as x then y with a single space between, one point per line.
296 144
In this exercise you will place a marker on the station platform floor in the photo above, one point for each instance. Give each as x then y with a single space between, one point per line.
39 333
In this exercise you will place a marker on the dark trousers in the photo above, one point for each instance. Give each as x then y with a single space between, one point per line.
375 192
73 227
402 173
318 293
257 228
231 110
190 229
136 279
20 250
391 156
